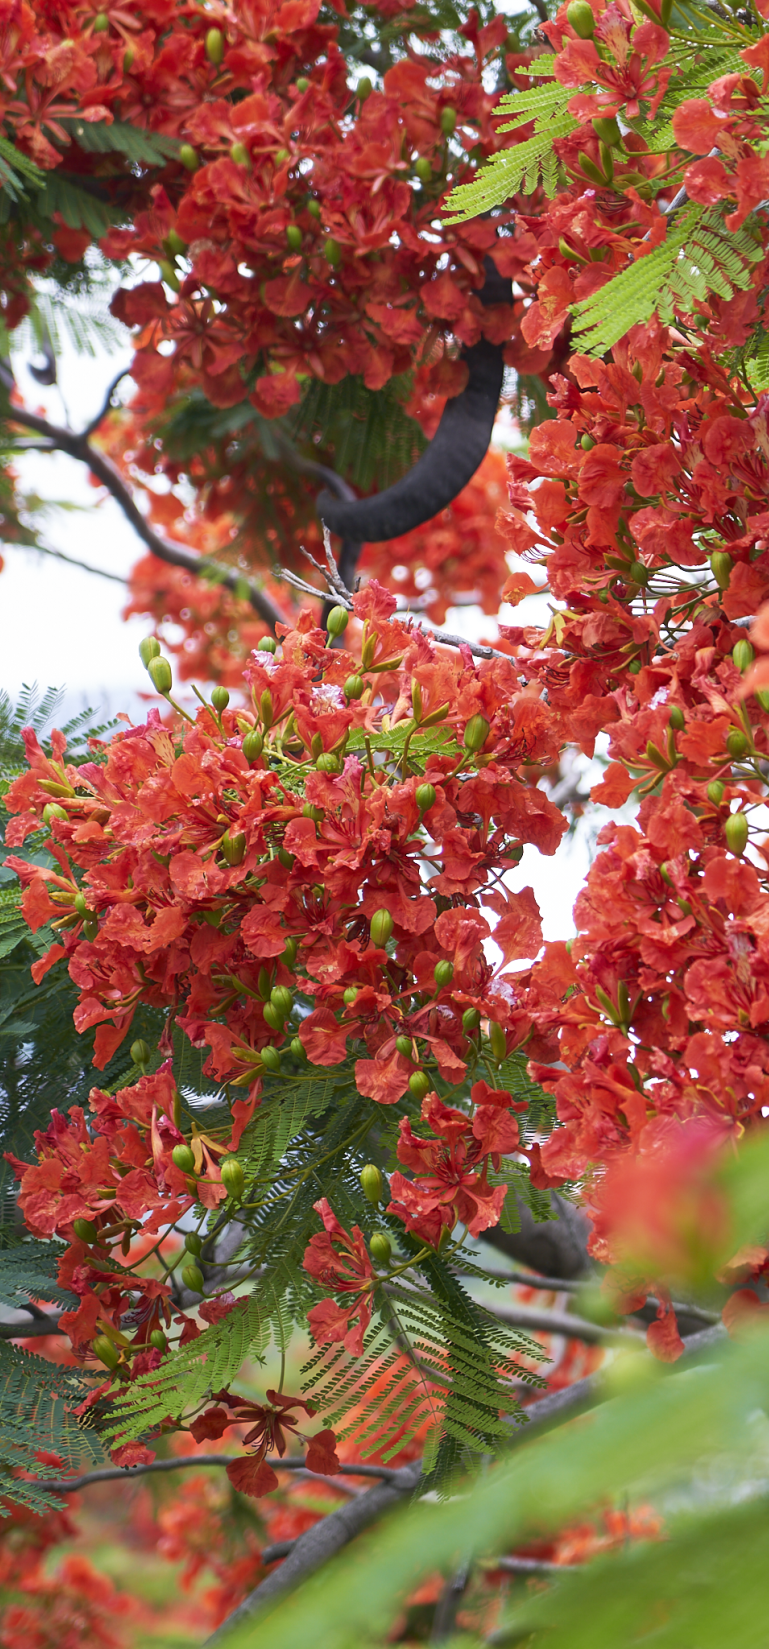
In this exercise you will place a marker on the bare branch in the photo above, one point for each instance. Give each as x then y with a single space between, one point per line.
79 447
106 404
561 1322
192 1462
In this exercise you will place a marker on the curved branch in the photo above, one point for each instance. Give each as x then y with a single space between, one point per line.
457 449
190 1462
79 447
320 1543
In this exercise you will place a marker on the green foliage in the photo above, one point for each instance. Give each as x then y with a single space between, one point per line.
29 1271
368 435
37 1400
17 172
699 256
100 137
522 167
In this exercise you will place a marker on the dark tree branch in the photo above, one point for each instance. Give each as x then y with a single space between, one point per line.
78 446
191 1462
459 445
320 1543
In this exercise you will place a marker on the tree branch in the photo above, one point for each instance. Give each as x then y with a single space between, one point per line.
321 1542
79 447
191 1462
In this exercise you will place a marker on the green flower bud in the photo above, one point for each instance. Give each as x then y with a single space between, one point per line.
273 1017
328 763
79 905
220 698
353 687
736 833
350 995
302 84
364 88
310 811
297 1048
141 1052
444 973
742 654
253 745
715 792
158 1340
635 667
639 573
419 1084
268 644
677 718
281 998
288 954
106 1352
90 928
425 797
52 810
381 1248
193 1243
294 237
721 568
762 696
183 1158
288 860
332 251
313 207
381 928
448 120
233 1178
587 443
280 156
498 1041
149 648
423 169
188 157
215 46
337 621
267 708
128 58
404 1046
372 1182
85 1230
580 15
471 1019
736 744
271 1058
233 848
476 733
192 1277
239 154
607 129
101 23
159 672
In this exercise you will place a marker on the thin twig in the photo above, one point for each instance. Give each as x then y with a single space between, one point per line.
191 1462
344 597
560 1322
71 560
79 447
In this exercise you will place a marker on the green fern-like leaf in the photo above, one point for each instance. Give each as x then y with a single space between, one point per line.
79 208
699 256
101 138
29 1271
523 167
188 1377
17 171
37 1400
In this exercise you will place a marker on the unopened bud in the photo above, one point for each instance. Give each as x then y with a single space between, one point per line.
736 743
158 1340
381 928
498 1041
266 708
353 687
444 973
193 1243
715 792
381 1248
106 1352
476 733
721 567
233 1178
372 1182
215 46
220 698
448 120
141 1052
183 1158
188 157
233 848
425 797
85 1230
159 672
736 833
337 621
268 644
742 654
192 1277
471 1019
580 15
404 1046
253 745
149 648
419 1084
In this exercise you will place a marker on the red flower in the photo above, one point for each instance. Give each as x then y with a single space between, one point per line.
341 1262
449 1187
